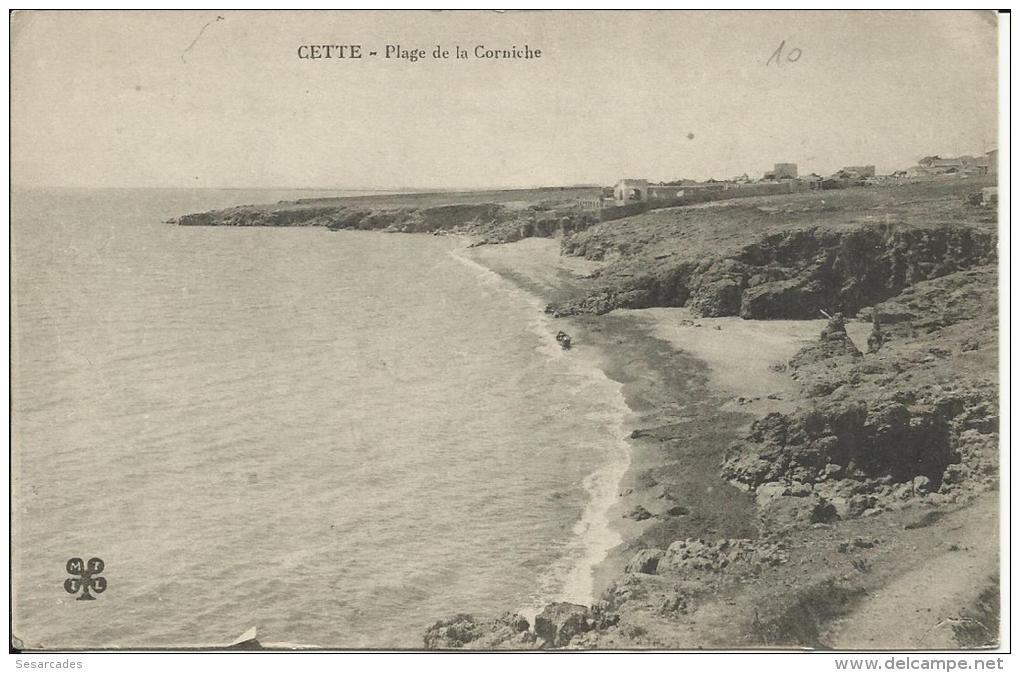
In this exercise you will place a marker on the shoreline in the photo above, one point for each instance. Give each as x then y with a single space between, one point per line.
694 386
593 529
682 390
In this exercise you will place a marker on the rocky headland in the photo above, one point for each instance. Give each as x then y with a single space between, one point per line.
490 217
815 378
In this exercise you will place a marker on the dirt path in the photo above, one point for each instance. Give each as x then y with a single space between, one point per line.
918 609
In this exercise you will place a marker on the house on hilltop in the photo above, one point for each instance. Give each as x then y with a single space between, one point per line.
857 171
989 161
937 162
935 165
629 191
963 166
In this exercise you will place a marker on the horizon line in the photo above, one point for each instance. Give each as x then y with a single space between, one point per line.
390 190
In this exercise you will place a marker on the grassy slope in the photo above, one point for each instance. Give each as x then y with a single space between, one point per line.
549 196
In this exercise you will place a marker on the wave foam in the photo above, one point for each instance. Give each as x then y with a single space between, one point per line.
572 577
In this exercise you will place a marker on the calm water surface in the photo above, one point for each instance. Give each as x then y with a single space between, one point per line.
335 437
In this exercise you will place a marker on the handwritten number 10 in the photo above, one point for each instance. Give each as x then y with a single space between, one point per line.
792 56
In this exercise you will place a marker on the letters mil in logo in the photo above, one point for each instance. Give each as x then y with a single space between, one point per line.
87 578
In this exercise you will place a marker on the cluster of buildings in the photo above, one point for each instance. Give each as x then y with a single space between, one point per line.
782 179
962 166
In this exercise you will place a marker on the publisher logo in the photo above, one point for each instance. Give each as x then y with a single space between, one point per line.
87 578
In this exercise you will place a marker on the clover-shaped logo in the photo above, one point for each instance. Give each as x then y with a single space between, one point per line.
88 578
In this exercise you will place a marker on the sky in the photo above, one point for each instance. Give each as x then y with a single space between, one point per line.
207 99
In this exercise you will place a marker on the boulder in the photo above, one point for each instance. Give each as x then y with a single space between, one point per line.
921 484
833 342
832 471
859 504
674 603
902 492
645 561
627 588
602 615
841 505
559 622
453 632
752 464
639 513
789 511
689 555
464 631
953 474
769 490
799 489
514 622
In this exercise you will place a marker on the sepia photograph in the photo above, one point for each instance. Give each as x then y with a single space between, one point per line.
508 331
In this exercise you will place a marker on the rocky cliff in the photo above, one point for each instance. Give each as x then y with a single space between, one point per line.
798 274
788 257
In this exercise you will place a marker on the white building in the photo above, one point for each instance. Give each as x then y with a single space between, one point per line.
630 191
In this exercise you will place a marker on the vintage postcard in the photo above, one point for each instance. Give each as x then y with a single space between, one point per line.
522 330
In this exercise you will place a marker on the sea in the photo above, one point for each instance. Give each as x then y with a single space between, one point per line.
334 437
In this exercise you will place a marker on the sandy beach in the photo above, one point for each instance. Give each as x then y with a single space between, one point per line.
693 385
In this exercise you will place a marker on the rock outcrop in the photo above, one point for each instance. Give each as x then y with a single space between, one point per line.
465 631
799 273
453 632
645 561
559 622
915 417
697 555
784 505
